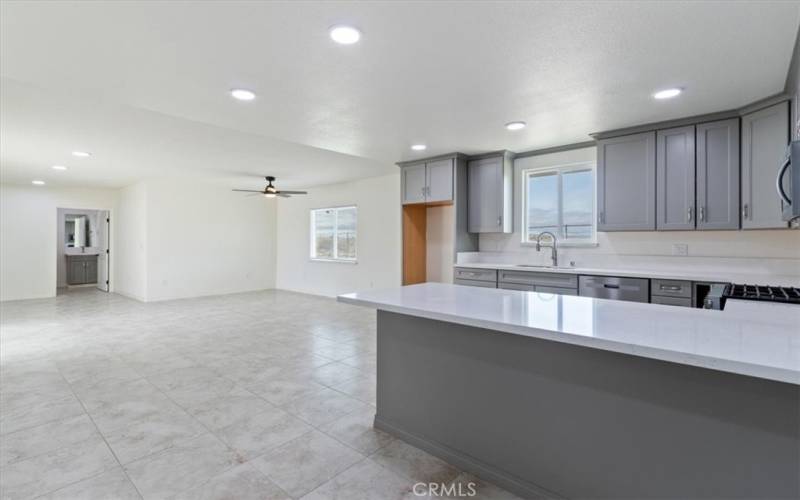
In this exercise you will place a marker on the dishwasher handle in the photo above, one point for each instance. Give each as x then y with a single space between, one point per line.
608 285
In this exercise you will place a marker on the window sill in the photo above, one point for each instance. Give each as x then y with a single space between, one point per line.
562 244
334 261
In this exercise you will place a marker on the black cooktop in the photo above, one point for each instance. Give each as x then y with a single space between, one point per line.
786 294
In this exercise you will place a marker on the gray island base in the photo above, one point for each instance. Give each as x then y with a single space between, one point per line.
551 419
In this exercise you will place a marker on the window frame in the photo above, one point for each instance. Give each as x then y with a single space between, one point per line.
560 170
312 235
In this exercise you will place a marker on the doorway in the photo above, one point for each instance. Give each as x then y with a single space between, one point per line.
83 249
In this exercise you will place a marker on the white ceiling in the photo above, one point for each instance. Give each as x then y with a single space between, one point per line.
143 85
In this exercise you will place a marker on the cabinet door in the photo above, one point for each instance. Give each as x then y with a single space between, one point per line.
76 271
718 175
440 180
414 183
91 271
485 199
626 183
675 170
765 135
557 290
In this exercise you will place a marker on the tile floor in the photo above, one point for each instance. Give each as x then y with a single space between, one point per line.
264 395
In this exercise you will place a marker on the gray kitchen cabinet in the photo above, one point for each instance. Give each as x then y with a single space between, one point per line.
481 284
671 292
439 180
476 274
765 135
718 175
675 179
414 180
81 269
489 185
626 183
515 286
560 280
671 301
428 182
557 290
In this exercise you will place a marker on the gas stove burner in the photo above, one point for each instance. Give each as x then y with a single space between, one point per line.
784 294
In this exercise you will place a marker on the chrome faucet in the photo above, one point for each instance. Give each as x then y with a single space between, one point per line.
554 255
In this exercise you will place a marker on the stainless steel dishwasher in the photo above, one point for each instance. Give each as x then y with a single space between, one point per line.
609 287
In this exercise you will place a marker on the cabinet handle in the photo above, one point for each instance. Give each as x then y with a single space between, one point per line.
702 214
745 211
689 215
600 218
500 221
672 288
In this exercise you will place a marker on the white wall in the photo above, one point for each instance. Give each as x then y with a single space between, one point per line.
202 239
767 250
378 246
129 232
29 234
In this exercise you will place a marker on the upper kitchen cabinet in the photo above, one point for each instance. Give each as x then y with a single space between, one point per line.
428 182
489 204
718 174
765 135
439 176
414 180
675 179
626 183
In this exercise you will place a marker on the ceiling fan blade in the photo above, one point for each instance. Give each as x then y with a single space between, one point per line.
293 192
248 190
282 195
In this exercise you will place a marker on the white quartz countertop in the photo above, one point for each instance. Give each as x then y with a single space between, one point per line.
718 276
755 339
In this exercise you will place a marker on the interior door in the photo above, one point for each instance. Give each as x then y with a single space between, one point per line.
103 258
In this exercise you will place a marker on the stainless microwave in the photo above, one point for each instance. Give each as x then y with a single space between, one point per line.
788 182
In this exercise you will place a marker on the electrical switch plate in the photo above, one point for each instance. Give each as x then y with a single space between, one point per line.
680 249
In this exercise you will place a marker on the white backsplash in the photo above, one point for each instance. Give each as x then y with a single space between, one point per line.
765 253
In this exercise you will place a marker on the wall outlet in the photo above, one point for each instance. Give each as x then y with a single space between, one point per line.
680 249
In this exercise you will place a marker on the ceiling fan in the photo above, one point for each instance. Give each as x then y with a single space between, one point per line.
270 191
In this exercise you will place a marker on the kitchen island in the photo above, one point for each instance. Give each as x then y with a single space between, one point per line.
563 396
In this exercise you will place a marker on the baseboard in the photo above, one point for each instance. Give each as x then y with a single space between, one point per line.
468 463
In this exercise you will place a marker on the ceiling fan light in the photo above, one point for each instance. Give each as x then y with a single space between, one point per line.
269 195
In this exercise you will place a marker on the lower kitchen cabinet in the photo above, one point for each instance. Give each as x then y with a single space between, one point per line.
482 284
532 281
516 286
557 290
671 301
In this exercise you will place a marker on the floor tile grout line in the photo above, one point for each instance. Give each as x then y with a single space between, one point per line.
102 436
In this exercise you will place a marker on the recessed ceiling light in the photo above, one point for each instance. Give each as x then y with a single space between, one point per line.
38 183
346 35
243 94
515 125
81 154
667 93
419 147
59 167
